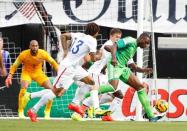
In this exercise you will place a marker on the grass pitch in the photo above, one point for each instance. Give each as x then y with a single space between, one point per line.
69 125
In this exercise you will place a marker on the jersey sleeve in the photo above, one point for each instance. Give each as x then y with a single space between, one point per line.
130 40
15 65
92 45
121 43
51 61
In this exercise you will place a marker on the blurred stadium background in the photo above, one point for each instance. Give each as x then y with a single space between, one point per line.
22 21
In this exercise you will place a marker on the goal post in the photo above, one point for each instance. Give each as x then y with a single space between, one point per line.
139 53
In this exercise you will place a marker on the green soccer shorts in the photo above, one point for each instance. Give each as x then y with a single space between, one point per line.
118 72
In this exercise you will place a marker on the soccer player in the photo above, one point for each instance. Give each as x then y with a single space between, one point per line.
70 69
116 101
3 71
121 52
95 71
32 60
6 56
107 95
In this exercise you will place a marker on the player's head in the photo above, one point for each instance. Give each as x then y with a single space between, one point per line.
115 34
1 42
34 47
92 29
143 40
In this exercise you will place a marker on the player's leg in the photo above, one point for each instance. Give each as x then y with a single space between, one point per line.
64 77
80 92
74 106
44 81
102 82
84 76
25 81
32 113
115 100
134 82
79 96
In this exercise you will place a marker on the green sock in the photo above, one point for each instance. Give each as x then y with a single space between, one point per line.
145 103
102 89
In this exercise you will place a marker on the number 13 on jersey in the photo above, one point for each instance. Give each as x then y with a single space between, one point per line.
76 45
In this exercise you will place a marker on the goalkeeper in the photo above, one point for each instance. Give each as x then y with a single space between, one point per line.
32 60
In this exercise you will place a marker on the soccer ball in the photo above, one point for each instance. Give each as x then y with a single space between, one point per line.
161 105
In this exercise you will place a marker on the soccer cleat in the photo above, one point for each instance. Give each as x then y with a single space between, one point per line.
21 115
90 112
100 112
155 119
46 115
77 117
145 115
32 115
107 118
76 108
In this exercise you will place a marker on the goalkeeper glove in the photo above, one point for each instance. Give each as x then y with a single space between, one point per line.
8 80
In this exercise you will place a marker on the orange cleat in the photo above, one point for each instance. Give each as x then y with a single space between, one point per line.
32 115
76 108
107 118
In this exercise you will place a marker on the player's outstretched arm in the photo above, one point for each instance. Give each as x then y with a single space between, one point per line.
134 67
13 68
112 49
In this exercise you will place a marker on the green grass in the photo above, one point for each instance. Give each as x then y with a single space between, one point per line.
69 125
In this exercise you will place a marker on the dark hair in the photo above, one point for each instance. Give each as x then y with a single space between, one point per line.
115 31
92 29
145 35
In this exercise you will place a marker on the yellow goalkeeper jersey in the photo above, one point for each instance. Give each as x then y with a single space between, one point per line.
32 63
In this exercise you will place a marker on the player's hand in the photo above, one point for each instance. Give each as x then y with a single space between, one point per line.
114 61
148 70
98 55
8 80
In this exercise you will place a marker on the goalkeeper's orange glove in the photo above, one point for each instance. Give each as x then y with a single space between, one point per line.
8 80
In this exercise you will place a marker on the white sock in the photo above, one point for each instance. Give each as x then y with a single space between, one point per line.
87 102
105 98
79 94
44 99
39 93
116 103
94 98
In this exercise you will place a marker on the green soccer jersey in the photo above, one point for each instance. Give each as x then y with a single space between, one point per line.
126 49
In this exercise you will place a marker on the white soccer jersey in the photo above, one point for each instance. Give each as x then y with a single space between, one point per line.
98 65
82 44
